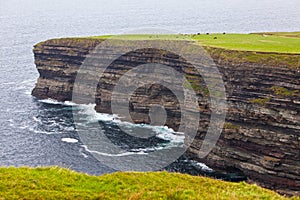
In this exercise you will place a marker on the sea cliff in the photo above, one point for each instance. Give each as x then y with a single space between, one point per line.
261 136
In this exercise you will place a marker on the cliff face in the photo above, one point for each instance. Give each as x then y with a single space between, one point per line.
261 136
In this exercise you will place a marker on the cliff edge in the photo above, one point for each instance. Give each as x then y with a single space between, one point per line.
261 136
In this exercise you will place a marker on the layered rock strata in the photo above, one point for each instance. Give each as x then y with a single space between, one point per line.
261 135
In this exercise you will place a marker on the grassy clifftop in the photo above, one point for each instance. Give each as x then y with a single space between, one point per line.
58 183
275 49
259 42
284 42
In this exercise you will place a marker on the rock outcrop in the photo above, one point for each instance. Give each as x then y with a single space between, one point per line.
261 136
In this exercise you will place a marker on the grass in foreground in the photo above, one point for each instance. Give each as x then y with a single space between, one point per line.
58 183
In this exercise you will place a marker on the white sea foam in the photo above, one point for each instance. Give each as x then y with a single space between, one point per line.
202 166
8 83
52 101
27 82
127 153
23 127
36 119
175 139
69 140
93 116
69 128
169 134
25 85
28 92
89 115
83 154
40 131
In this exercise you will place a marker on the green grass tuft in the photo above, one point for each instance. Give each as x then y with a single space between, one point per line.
231 126
58 183
260 101
281 91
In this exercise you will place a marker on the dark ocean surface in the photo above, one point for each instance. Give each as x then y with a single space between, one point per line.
42 133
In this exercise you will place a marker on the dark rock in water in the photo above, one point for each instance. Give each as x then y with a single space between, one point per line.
185 165
261 136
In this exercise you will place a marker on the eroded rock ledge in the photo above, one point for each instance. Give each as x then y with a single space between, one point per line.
261 136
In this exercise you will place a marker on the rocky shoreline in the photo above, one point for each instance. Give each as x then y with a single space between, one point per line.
261 136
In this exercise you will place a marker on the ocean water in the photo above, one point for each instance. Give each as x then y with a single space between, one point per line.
42 133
